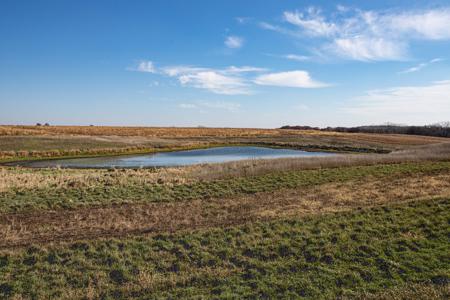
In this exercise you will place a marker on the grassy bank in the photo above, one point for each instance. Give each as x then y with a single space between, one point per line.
362 252
100 187
32 155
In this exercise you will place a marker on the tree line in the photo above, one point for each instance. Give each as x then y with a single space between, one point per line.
439 129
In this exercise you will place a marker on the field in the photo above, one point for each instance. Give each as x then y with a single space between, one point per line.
369 223
32 142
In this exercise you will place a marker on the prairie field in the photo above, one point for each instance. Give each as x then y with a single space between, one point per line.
371 222
34 142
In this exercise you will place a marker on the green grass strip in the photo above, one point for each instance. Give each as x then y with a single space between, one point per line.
53 198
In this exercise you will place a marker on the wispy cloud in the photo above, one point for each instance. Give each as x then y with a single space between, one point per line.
297 79
227 81
421 66
234 80
234 42
180 70
146 66
313 23
296 57
427 100
216 105
364 48
366 35
279 29
244 69
243 20
215 82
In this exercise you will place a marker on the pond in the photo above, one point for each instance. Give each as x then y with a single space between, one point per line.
176 158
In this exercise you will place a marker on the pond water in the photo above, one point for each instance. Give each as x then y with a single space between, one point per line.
177 158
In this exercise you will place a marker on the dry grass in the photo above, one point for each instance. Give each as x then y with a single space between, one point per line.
435 152
137 131
26 179
8 130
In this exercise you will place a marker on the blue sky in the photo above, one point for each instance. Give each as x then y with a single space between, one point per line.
224 63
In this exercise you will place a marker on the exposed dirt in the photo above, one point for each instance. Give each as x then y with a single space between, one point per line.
17 230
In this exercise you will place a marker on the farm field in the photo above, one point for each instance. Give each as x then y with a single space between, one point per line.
369 223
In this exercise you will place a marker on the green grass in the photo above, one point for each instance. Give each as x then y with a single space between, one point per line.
102 194
317 257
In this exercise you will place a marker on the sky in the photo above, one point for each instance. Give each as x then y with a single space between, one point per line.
224 63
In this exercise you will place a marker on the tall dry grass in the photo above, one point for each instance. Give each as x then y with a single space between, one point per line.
42 154
435 152
16 130
139 131
19 178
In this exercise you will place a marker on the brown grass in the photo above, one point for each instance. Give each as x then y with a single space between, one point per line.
27 179
435 152
11 130
135 131
65 225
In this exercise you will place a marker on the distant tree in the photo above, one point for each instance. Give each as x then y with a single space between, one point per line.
38 124
46 124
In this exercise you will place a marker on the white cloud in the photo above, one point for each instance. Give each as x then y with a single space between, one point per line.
234 42
244 69
146 66
366 35
368 48
298 79
296 57
227 81
180 70
429 103
421 66
431 24
233 80
314 23
215 82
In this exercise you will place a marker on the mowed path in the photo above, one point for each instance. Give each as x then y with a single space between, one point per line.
41 227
